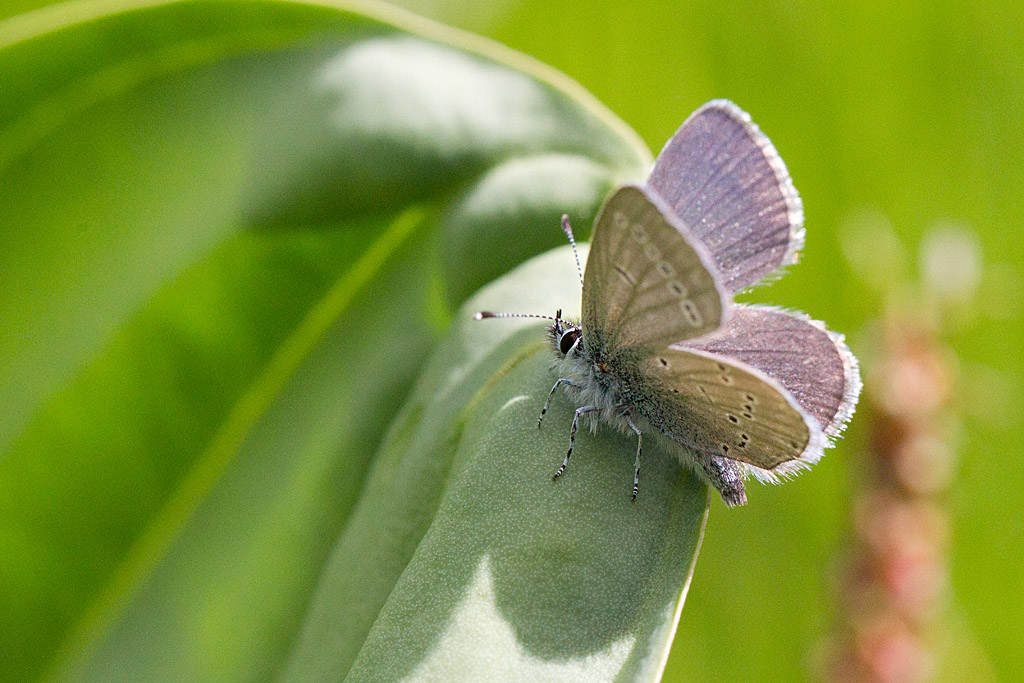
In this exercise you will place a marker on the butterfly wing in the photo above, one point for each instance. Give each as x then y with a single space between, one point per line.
646 283
722 176
809 361
721 406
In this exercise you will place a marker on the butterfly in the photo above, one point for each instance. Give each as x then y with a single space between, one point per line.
663 350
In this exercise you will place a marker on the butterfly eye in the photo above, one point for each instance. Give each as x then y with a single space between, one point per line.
566 341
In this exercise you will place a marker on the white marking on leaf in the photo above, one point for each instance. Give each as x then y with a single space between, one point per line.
480 641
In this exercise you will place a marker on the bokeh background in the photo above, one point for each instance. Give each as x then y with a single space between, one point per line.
898 121
904 113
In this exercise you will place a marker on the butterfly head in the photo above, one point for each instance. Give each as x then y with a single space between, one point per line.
566 337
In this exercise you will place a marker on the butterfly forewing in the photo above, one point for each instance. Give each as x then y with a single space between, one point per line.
722 176
813 364
646 284
723 407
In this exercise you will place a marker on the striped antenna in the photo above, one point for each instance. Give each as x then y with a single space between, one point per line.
567 229
480 315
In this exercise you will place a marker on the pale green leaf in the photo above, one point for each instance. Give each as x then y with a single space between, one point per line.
230 233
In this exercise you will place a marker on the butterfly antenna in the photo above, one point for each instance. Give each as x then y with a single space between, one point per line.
480 315
567 229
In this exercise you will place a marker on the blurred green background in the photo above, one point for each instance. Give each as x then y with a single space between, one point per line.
911 109
908 110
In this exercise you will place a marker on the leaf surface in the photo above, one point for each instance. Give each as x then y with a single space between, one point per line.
230 234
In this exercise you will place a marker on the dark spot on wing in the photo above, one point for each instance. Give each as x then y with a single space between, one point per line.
625 275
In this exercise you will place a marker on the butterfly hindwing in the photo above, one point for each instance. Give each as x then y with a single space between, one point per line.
646 283
808 360
723 407
722 176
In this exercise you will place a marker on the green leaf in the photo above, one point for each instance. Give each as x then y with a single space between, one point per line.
566 581
230 233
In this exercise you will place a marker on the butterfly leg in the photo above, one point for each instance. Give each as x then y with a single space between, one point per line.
572 436
547 403
636 462
726 476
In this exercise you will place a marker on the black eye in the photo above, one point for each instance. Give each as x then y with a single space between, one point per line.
566 341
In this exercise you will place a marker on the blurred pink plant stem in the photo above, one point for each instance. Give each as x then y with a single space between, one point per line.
894 586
